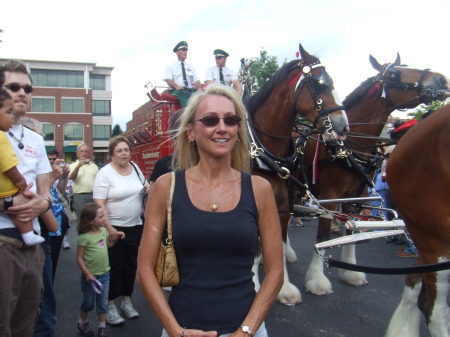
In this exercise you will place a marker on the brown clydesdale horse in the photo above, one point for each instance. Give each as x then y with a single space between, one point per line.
418 174
368 107
299 87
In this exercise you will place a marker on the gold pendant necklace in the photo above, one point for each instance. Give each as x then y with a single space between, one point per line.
214 205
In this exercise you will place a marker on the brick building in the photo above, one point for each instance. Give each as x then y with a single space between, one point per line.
72 100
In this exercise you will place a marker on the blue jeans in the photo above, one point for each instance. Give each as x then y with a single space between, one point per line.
89 295
262 332
46 320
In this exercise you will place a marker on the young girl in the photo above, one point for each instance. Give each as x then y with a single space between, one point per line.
92 258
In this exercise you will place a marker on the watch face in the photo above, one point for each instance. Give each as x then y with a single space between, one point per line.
245 328
8 199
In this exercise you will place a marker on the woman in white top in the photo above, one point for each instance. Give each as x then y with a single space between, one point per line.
117 189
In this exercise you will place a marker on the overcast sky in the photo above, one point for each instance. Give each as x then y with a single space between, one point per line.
137 37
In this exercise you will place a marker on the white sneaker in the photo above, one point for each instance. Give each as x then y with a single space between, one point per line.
127 310
113 317
66 244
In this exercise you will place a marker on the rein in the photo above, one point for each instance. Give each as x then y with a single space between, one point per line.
426 268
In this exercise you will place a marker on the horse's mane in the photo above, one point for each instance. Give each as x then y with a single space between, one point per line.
263 94
356 95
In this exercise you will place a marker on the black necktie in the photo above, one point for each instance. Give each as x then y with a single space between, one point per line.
184 75
221 76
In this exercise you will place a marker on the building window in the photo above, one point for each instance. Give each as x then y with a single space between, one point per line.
49 131
101 108
72 105
73 132
102 132
97 82
57 78
43 104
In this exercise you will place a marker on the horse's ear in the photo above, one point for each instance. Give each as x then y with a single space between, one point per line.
374 63
397 60
303 53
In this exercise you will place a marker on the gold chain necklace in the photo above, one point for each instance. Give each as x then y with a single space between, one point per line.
214 205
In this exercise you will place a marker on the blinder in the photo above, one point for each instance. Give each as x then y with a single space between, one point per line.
322 82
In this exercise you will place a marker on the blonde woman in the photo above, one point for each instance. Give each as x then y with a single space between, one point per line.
219 212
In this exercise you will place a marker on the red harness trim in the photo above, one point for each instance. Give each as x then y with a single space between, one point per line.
295 79
343 217
406 125
375 88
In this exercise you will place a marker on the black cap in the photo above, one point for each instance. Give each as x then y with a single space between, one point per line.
220 52
180 45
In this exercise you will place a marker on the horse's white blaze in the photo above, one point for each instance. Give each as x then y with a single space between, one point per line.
316 282
406 318
353 278
440 315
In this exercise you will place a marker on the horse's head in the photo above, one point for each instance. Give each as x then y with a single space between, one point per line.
315 98
407 87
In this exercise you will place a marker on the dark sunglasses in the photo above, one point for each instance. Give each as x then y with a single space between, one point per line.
15 87
214 120
219 57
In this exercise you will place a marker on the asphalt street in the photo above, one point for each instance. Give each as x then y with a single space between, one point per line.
348 312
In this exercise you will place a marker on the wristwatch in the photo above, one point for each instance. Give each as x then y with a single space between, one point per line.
7 203
246 329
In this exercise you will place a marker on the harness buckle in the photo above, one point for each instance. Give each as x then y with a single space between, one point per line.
286 171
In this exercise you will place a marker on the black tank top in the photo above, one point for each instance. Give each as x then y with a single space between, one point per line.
215 252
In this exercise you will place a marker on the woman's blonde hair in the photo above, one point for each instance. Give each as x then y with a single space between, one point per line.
186 154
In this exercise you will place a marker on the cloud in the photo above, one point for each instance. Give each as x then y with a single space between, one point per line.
136 38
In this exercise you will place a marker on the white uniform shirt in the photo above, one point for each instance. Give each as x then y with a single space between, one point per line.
33 161
122 195
213 74
174 72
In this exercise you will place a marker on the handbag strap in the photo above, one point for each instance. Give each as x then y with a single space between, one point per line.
135 169
169 210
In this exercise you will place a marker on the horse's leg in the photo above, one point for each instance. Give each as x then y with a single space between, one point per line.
255 268
289 293
406 319
316 282
348 254
291 256
353 278
434 305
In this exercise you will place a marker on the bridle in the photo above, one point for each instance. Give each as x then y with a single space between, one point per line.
391 78
317 84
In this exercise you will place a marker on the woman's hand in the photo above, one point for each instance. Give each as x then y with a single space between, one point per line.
114 234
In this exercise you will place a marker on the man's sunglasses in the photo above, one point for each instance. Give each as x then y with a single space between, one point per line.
231 120
15 87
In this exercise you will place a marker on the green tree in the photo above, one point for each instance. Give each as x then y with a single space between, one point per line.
423 109
117 130
263 67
